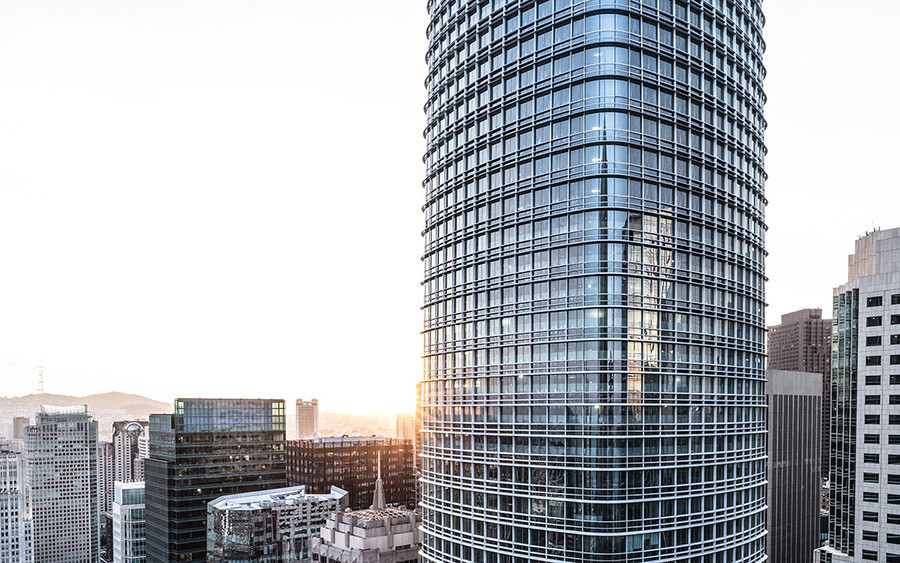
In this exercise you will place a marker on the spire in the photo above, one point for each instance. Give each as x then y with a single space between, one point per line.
378 497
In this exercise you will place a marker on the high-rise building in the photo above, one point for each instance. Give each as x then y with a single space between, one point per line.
128 523
594 282
351 463
375 535
268 526
795 473
129 461
106 471
864 517
206 449
307 418
802 342
61 482
406 426
19 424
15 518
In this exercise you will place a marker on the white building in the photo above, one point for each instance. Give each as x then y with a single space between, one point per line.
268 526
129 537
864 464
15 519
61 483
127 443
307 418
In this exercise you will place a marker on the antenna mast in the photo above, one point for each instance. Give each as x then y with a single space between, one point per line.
40 380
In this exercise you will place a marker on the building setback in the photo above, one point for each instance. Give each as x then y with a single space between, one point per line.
594 296
61 481
351 463
864 472
16 544
802 342
129 538
268 526
206 449
794 491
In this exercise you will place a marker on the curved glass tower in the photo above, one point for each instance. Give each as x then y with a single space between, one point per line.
594 285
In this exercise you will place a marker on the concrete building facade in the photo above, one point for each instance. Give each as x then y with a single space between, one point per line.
307 418
16 543
61 481
129 536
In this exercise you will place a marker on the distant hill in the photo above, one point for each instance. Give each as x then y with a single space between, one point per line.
106 408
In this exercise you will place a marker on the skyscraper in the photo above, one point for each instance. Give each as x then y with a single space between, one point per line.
307 418
129 460
594 247
795 473
19 424
802 342
206 449
864 523
16 544
406 426
61 480
106 471
129 537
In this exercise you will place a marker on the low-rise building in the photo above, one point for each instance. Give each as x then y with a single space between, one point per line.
268 526
129 539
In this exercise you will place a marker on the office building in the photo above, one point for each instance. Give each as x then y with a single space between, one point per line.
802 342
307 418
351 463
19 424
864 472
15 519
61 482
377 534
795 473
129 538
594 380
106 460
406 426
206 449
269 526
129 459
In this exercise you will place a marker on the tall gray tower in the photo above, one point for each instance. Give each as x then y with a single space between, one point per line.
61 480
594 282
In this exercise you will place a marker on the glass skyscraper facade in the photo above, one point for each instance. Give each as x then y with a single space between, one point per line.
206 449
594 282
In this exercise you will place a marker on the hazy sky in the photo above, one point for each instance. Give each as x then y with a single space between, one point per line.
222 198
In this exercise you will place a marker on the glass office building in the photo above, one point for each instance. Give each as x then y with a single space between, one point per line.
206 449
594 282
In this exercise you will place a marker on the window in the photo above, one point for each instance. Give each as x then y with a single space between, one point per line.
894 399
895 359
873 399
893 499
871 438
894 439
895 378
873 419
873 301
873 360
870 535
873 380
895 299
870 477
870 516
893 459
893 538
873 341
894 419
895 339
873 497
895 319
870 458
893 518
873 321
893 479
869 555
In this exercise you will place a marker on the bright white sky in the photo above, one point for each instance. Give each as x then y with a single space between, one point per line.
222 197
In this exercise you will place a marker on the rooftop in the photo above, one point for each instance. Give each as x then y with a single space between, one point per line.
288 496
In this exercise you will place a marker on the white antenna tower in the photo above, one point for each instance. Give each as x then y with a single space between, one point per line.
40 380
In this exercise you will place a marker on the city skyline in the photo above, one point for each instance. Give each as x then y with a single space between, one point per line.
96 295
